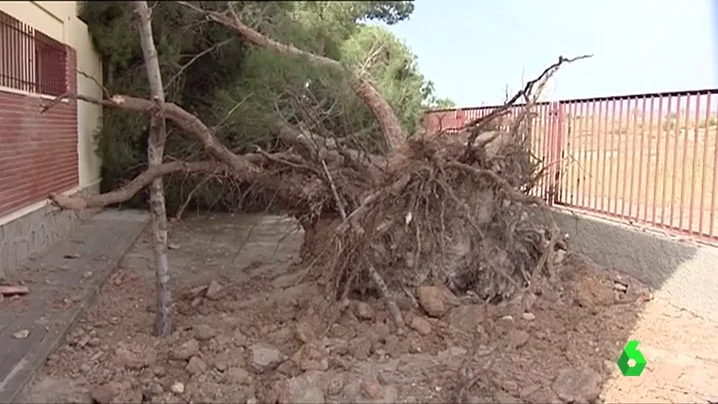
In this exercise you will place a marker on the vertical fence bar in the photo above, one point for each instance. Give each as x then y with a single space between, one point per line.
567 156
692 181
537 147
676 134
6 49
684 162
559 152
633 129
704 177
590 156
13 55
23 65
578 128
546 136
576 153
597 153
648 160
595 140
715 183
619 138
581 185
665 165
26 59
608 141
535 125
659 131
552 155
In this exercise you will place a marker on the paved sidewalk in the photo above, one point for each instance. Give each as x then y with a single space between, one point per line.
62 283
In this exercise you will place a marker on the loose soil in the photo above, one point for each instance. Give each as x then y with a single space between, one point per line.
250 329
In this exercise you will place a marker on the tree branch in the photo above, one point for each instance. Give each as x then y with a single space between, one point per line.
480 123
390 125
242 167
126 192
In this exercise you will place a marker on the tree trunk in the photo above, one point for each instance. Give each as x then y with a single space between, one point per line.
155 151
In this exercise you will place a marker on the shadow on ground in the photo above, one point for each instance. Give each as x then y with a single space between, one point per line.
249 329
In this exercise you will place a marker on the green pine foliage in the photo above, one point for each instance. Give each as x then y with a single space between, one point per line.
240 90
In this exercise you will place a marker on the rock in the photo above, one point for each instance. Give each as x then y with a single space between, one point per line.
240 339
502 397
467 317
314 364
312 356
156 389
159 371
237 376
559 256
529 390
265 357
116 392
304 332
22 334
518 338
186 350
196 366
431 300
379 332
360 348
105 393
131 360
528 316
289 368
203 332
335 385
609 366
214 290
391 395
221 362
510 386
528 300
372 389
304 389
579 385
420 325
177 388
364 311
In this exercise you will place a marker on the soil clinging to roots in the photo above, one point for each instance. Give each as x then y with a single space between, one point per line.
467 223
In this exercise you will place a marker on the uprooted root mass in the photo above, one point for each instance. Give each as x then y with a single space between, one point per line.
468 225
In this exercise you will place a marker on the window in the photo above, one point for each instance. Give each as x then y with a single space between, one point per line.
30 60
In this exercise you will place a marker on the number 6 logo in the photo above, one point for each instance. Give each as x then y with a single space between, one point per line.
631 362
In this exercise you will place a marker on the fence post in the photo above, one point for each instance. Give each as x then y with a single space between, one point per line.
559 152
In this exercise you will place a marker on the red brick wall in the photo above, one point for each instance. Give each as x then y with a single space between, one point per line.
38 152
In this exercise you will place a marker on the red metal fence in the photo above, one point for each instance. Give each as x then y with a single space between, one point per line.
644 159
30 60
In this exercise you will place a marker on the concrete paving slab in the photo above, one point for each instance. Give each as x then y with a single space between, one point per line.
62 283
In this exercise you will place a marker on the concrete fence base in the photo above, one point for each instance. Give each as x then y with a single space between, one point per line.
681 271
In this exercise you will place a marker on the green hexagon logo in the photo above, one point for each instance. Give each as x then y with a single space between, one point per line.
631 362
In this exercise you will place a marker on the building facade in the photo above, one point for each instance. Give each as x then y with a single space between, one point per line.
45 51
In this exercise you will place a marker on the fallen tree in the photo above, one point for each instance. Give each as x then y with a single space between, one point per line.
453 209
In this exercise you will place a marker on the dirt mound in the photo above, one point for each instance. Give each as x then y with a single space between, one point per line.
267 339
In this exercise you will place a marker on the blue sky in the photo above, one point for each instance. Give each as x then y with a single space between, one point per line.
473 49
